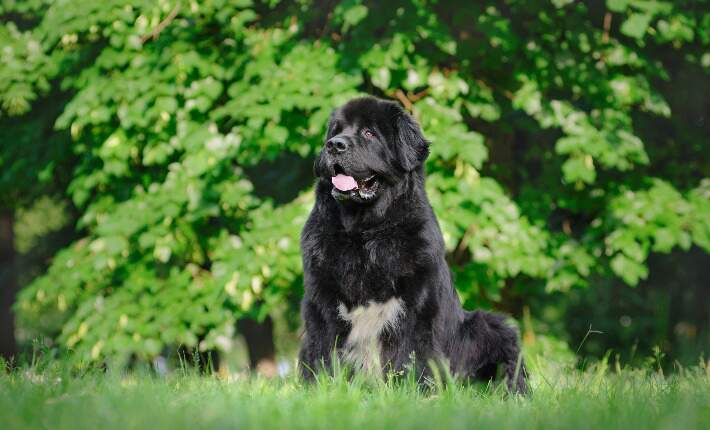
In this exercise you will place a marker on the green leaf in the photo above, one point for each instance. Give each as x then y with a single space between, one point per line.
354 15
579 169
636 25
381 77
628 270
617 5
561 3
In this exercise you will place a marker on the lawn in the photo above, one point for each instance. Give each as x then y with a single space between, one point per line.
596 398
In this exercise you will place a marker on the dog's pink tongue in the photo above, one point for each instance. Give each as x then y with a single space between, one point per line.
344 183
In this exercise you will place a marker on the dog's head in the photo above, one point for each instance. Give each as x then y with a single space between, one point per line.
371 145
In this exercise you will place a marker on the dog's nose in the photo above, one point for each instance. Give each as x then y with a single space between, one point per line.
337 144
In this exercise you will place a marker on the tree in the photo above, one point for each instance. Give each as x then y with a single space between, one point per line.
33 155
540 174
8 346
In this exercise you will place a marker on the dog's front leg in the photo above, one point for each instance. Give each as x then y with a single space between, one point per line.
318 341
414 344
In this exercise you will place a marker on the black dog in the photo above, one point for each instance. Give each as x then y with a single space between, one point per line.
378 291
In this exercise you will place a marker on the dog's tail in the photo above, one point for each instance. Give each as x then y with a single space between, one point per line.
516 374
509 354
495 343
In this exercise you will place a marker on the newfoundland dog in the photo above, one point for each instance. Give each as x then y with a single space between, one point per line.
378 292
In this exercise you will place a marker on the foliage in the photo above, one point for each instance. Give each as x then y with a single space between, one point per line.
542 178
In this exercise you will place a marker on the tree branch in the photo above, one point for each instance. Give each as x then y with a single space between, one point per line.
162 24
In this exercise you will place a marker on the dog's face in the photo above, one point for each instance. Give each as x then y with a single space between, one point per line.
371 145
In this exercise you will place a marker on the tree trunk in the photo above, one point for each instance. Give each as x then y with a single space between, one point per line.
259 337
8 286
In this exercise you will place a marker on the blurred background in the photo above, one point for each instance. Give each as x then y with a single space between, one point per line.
156 169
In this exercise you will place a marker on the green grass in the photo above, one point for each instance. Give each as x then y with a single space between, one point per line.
597 398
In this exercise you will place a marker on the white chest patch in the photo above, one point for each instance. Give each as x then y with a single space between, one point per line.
363 346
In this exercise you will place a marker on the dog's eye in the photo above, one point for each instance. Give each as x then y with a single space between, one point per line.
368 134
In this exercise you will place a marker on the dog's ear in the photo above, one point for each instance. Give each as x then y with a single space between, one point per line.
318 167
411 148
319 164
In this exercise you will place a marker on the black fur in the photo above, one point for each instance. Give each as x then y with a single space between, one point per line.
356 251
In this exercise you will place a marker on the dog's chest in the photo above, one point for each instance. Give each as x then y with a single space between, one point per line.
363 345
364 271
